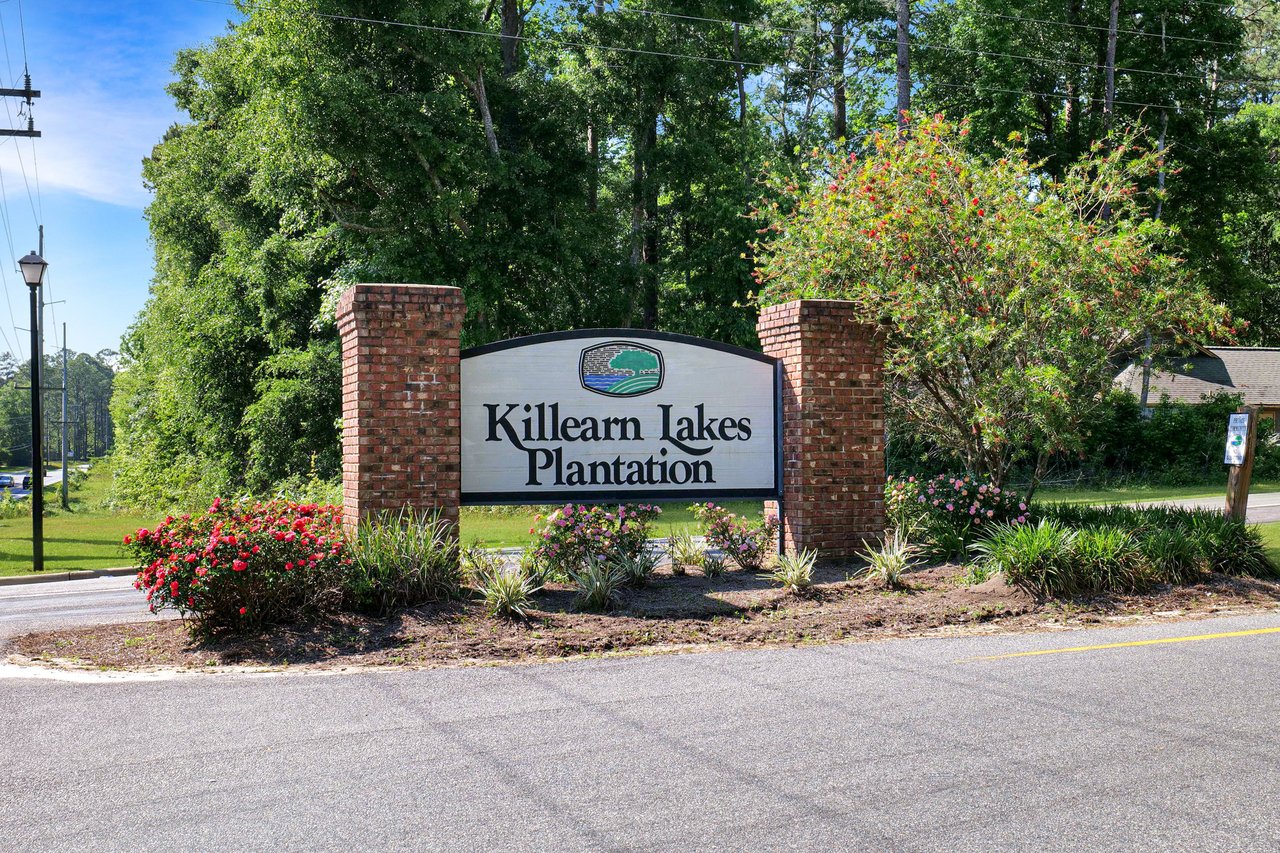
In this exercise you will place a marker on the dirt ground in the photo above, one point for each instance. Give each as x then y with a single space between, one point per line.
673 613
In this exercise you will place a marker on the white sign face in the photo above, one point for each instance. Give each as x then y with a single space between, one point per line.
1237 438
617 414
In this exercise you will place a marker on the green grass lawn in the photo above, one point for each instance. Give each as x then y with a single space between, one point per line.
1271 540
86 537
511 527
1129 494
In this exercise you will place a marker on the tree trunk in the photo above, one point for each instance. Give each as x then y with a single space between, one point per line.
593 147
512 25
904 64
839 99
649 303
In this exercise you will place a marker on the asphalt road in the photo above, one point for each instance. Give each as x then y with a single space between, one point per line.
62 604
902 745
1262 508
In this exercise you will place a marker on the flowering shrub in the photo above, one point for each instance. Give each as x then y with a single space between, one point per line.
748 542
571 535
241 565
950 510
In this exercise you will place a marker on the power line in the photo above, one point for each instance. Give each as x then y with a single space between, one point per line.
596 46
808 33
1098 28
355 19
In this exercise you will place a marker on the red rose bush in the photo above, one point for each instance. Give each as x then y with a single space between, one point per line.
243 565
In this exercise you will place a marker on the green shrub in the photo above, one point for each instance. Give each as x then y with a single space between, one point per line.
890 561
403 560
12 508
571 536
794 572
1230 547
1180 543
947 512
1108 558
748 542
1173 556
1037 555
598 582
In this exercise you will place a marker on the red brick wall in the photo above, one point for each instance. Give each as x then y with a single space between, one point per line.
832 425
401 420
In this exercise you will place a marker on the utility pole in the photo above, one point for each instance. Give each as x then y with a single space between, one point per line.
1113 34
904 64
26 93
63 431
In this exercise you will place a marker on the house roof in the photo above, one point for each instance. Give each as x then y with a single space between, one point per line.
1251 371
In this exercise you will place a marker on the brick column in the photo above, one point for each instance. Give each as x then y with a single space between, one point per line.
832 425
401 417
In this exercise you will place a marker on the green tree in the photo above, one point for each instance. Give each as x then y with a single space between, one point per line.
635 361
1003 295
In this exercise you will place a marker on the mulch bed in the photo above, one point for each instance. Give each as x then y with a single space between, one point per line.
673 613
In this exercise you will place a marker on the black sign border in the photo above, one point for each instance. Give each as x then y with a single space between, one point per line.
568 495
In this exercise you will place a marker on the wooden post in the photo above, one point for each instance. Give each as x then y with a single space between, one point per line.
1238 478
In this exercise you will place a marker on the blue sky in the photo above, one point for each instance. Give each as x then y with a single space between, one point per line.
102 68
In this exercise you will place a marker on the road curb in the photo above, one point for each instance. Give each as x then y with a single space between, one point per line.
79 575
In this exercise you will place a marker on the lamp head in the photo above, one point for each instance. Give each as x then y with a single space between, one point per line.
33 267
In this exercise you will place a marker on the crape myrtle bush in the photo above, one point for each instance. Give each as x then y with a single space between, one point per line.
748 542
947 512
571 536
243 565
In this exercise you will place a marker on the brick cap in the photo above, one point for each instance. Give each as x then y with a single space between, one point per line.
374 287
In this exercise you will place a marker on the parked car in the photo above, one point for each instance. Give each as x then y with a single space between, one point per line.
6 481
26 481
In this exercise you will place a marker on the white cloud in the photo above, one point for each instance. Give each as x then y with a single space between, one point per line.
92 145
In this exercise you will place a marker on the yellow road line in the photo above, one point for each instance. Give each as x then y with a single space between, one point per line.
1251 633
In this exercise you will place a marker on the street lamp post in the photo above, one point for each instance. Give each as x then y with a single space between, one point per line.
33 267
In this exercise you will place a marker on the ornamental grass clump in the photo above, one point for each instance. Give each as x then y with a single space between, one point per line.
794 572
746 541
683 551
598 583
403 559
636 569
242 566
712 565
508 593
1038 556
571 536
1109 559
887 564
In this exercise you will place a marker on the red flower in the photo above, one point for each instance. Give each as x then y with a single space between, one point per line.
239 565
173 587
127 539
243 610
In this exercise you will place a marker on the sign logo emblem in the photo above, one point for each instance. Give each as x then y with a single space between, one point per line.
621 369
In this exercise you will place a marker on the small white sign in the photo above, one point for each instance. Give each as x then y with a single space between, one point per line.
614 414
1237 438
